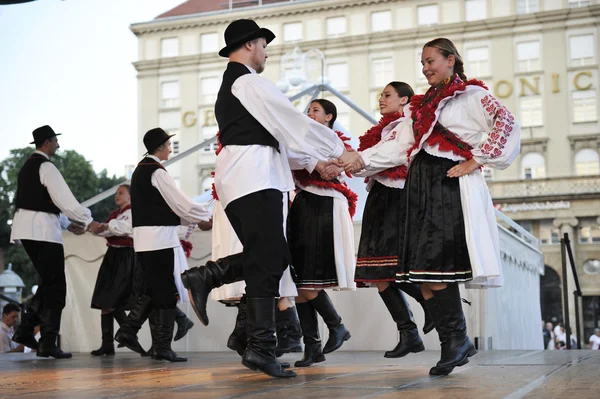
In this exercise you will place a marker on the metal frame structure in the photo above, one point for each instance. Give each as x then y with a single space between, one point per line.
313 90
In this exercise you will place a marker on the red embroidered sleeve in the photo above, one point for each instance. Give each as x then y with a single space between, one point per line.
503 124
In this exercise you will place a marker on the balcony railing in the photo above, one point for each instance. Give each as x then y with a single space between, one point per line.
549 187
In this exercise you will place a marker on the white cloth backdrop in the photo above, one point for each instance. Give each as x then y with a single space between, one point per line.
510 315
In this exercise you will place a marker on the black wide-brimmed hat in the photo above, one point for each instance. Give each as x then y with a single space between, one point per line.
241 31
154 138
43 133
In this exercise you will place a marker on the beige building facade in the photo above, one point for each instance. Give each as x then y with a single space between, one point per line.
539 57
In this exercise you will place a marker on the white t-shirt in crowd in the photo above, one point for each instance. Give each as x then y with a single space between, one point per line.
595 341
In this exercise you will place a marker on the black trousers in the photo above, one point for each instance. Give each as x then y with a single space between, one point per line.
48 258
157 268
257 219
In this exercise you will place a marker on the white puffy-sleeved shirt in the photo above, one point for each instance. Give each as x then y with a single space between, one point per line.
153 238
242 170
391 151
43 226
478 119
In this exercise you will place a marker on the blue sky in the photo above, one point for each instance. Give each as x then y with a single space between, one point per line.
68 64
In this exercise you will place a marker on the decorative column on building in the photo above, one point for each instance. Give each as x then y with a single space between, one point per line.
568 225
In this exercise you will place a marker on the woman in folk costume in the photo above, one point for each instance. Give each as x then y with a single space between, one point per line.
225 242
114 284
321 241
383 218
451 232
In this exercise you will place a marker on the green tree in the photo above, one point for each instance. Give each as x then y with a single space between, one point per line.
83 182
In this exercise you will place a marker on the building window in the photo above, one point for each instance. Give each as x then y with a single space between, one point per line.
420 76
336 26
209 87
533 166
169 94
581 49
427 15
549 235
528 56
579 3
292 32
487 173
169 47
587 162
589 231
531 111
478 61
527 6
207 183
208 132
381 21
526 224
175 147
382 73
475 10
584 106
209 43
338 75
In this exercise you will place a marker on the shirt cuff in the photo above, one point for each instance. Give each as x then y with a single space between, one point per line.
366 156
312 164
338 151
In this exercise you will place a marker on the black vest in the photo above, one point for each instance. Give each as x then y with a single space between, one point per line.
31 193
148 207
236 125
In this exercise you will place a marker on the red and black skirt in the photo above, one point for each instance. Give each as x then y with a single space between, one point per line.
434 239
381 236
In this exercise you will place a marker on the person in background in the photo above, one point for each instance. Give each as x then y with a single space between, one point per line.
44 203
594 341
10 316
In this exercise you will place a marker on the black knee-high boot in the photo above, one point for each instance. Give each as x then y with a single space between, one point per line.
184 324
456 347
49 329
288 329
199 281
161 327
127 334
107 326
237 340
260 328
409 333
313 353
338 333
414 290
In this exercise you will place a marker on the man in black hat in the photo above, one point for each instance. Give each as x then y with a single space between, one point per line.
42 195
259 128
158 208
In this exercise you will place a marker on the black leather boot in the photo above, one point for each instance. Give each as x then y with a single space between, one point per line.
414 290
260 329
288 330
127 334
107 326
313 353
49 328
120 316
24 332
456 345
199 281
161 327
183 324
237 340
398 307
337 331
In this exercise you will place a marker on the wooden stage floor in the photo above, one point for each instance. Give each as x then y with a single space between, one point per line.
491 374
